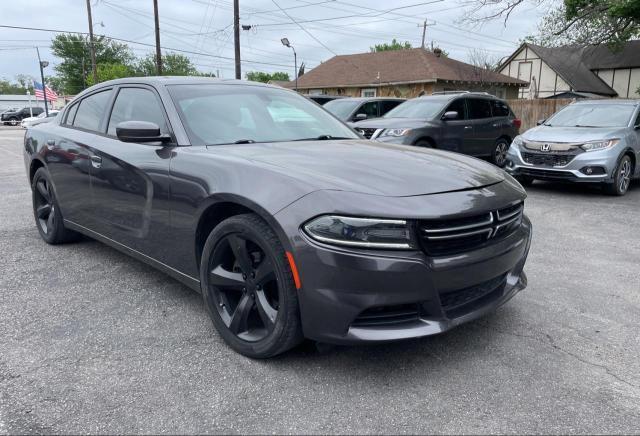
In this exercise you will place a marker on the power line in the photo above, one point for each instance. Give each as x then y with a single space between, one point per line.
305 30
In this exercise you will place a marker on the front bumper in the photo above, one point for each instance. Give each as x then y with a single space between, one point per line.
605 159
353 296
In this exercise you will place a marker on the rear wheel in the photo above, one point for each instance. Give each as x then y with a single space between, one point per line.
499 156
424 143
248 288
621 177
46 211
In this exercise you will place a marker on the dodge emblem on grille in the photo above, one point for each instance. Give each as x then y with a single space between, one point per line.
545 147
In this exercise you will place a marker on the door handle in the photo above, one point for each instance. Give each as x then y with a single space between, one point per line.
51 144
496 125
96 161
468 127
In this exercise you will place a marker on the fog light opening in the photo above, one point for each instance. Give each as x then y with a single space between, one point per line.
592 171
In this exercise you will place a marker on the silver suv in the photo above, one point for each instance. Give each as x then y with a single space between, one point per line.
586 141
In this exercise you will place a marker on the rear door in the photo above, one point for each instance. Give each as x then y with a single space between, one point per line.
130 181
503 119
484 127
387 105
457 134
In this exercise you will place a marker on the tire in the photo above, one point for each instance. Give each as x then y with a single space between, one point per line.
621 177
47 212
499 154
249 289
13 121
525 180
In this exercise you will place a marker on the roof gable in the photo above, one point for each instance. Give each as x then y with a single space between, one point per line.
397 66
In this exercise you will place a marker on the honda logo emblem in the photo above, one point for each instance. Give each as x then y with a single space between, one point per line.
545 147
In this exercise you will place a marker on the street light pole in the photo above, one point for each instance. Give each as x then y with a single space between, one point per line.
43 64
236 38
286 43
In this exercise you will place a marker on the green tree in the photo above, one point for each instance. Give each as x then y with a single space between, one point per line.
74 51
583 22
393 45
110 72
18 87
173 64
259 76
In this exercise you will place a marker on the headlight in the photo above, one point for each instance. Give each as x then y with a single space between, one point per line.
360 232
599 145
518 141
395 132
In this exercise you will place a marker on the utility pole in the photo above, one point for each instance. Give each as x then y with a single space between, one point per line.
158 52
236 36
424 32
44 85
91 46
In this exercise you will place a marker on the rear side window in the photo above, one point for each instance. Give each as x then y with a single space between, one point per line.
479 108
71 114
499 108
458 106
91 110
386 106
136 104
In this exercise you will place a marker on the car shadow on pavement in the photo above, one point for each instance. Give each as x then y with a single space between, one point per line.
587 190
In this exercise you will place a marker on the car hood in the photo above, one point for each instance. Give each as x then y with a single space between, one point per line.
393 123
369 167
571 134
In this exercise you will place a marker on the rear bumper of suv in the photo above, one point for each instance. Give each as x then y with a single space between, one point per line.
596 166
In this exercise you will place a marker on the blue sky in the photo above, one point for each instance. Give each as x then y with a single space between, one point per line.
204 27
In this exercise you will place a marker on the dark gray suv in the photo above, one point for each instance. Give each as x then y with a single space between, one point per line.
353 110
472 123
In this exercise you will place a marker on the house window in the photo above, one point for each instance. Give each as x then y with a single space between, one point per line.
315 92
368 92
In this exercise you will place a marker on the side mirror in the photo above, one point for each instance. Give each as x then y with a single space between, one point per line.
140 131
540 122
360 117
450 115
637 127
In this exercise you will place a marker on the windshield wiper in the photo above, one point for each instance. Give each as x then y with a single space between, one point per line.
323 138
244 141
581 125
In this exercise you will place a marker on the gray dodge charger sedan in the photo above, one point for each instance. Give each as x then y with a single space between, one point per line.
587 141
287 222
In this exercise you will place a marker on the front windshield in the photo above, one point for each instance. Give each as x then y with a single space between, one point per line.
593 115
225 114
416 108
341 108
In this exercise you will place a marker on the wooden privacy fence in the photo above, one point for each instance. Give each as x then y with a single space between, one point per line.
530 111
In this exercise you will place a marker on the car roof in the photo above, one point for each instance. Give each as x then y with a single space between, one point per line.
608 101
361 99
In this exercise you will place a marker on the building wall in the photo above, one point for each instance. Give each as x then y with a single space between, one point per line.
17 101
417 89
528 66
625 81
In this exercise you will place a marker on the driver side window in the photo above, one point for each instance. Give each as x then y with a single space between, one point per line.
458 106
136 104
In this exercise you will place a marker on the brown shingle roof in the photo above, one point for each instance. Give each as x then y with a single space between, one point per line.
397 66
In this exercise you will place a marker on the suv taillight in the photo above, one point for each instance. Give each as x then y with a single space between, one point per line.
517 122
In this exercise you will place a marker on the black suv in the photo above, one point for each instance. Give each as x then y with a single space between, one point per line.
362 108
472 123
14 117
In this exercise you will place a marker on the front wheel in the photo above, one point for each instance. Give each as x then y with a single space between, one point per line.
13 121
46 211
621 178
249 289
499 156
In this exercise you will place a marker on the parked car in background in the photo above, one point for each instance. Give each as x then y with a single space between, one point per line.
586 141
13 118
42 118
362 108
323 99
472 123
287 222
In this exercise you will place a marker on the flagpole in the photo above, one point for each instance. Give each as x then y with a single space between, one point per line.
44 86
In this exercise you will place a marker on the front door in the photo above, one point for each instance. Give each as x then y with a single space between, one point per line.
456 133
484 129
130 181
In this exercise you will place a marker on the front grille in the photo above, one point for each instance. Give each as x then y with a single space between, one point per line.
544 174
463 301
366 132
457 235
548 159
388 316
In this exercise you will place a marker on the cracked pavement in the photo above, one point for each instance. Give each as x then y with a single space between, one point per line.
92 341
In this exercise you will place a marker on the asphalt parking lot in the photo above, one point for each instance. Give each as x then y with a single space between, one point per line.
93 341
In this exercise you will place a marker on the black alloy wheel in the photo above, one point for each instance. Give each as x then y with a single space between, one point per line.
248 288
499 156
46 211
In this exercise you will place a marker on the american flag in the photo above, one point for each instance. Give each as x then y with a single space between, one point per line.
37 88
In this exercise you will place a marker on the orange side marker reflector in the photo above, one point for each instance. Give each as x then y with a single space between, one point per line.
294 270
